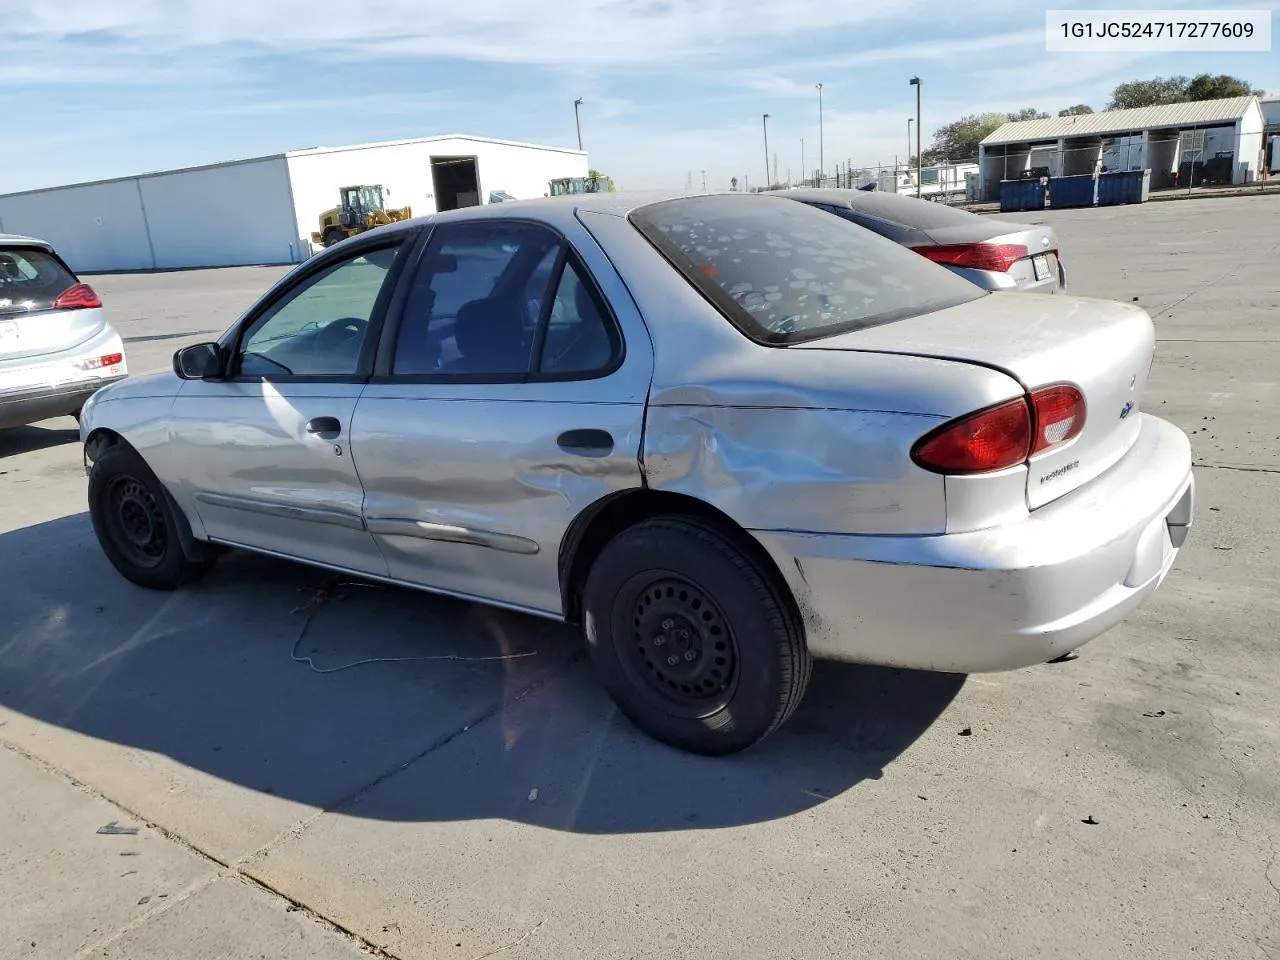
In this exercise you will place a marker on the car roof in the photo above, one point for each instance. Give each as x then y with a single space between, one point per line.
17 240
618 204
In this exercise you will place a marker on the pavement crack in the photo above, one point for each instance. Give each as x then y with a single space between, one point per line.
514 943
1239 266
1238 467
224 869
301 827
161 906
1271 865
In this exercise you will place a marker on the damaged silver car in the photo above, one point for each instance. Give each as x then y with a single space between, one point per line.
726 433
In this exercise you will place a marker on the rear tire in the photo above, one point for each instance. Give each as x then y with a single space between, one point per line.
692 639
134 522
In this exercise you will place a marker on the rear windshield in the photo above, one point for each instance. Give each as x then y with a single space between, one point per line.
30 279
783 272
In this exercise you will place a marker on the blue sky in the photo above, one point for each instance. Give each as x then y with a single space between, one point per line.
101 88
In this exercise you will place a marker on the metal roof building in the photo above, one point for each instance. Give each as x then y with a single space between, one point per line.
1163 139
263 210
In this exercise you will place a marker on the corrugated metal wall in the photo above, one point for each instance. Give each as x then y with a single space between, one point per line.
226 215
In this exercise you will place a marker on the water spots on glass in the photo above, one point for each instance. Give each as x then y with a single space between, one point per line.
786 268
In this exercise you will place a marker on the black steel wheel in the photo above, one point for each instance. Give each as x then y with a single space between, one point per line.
136 524
683 653
694 639
136 521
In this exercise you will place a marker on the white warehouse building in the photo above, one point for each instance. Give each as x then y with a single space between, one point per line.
264 210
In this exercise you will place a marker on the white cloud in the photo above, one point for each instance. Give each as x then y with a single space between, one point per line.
604 32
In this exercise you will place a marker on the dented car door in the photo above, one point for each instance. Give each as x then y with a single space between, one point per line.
509 396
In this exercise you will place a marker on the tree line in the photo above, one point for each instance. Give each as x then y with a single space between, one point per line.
958 140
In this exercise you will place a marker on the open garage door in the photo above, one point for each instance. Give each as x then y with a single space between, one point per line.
456 181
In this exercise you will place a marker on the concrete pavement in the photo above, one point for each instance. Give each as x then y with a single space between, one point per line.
1122 804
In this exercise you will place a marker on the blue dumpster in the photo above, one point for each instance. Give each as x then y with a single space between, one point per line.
1021 195
1124 186
1071 191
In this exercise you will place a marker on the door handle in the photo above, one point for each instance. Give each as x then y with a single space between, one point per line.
326 427
586 443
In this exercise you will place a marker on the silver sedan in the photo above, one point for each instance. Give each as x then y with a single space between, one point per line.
726 433
995 254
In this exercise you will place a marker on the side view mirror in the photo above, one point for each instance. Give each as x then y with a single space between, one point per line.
200 361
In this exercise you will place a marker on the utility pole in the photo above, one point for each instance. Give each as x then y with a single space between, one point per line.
765 122
803 175
915 82
820 156
704 180
576 122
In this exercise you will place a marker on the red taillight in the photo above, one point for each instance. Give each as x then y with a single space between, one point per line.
97 363
988 440
980 256
1004 435
1059 413
77 297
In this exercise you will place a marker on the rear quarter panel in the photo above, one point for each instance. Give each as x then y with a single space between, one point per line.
785 439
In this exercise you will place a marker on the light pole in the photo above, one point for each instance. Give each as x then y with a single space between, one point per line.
576 122
820 157
915 82
765 122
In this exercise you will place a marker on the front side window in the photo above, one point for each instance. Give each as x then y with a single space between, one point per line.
783 271
473 309
319 328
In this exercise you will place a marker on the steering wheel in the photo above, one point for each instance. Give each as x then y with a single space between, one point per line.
338 335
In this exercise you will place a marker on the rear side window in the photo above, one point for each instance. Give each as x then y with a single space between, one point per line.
30 280
783 272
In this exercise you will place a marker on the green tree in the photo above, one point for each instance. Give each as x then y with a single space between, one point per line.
1078 110
958 140
1208 87
1149 93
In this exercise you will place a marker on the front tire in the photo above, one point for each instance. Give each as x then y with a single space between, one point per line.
692 638
134 522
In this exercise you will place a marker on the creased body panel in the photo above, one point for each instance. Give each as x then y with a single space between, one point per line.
467 489
832 471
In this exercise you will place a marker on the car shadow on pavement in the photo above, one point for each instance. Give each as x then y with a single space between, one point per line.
279 678
52 433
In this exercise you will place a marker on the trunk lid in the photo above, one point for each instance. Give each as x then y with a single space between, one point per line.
1103 348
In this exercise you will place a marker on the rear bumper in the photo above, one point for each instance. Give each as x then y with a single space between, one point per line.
1007 597
1021 279
20 407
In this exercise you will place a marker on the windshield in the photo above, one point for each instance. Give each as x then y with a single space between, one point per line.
30 280
365 199
784 272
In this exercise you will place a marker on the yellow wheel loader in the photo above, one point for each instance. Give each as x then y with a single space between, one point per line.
362 208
